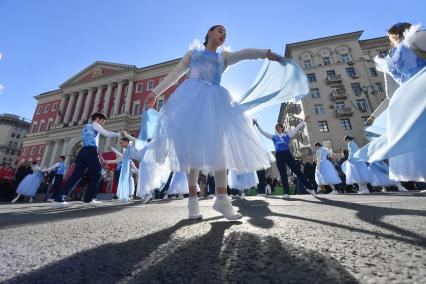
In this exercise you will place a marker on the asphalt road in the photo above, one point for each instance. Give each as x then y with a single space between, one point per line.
332 239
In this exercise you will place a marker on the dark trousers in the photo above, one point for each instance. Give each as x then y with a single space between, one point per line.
57 185
261 186
311 179
87 159
286 158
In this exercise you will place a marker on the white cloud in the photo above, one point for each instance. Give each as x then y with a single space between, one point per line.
1 55
1 88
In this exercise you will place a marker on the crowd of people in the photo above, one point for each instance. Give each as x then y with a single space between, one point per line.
204 142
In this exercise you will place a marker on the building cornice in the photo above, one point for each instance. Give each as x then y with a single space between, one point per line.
322 41
375 42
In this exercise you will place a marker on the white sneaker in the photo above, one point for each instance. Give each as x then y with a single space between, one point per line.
194 208
166 196
401 188
363 190
148 199
334 192
286 196
224 207
15 199
311 192
423 191
63 204
243 196
92 203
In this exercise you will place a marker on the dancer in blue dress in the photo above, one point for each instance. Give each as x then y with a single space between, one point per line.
30 184
242 181
325 173
201 128
404 122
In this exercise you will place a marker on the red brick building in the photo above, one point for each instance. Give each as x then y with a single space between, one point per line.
117 90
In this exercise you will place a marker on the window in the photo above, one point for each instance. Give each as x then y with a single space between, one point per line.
311 77
160 103
47 108
365 118
49 124
10 143
150 85
379 87
13 134
41 126
356 88
39 109
326 60
339 105
139 87
25 152
319 109
345 58
136 108
323 126
54 106
373 72
33 149
351 72
40 150
34 129
161 80
362 104
345 124
18 136
315 93
15 144
383 53
331 73
307 63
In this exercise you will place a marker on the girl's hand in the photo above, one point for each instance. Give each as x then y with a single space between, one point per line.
273 56
150 100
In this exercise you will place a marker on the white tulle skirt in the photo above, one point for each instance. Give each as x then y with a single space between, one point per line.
30 184
242 181
327 174
356 172
200 128
380 175
151 177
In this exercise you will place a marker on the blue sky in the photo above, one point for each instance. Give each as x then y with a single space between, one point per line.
45 42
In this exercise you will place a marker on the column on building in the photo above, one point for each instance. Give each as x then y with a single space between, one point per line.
65 151
69 108
97 99
107 100
87 105
128 97
46 156
77 107
60 113
54 152
117 98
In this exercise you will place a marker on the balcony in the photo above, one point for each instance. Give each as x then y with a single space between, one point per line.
294 121
293 108
334 79
338 95
343 112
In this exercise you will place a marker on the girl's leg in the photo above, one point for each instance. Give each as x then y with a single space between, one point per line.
16 198
222 203
193 207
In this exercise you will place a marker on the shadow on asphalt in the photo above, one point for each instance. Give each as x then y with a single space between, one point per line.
366 212
47 214
221 255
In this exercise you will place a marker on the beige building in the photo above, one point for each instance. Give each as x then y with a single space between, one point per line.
12 130
345 89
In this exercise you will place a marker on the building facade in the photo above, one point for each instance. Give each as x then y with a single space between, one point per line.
345 89
117 90
12 131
